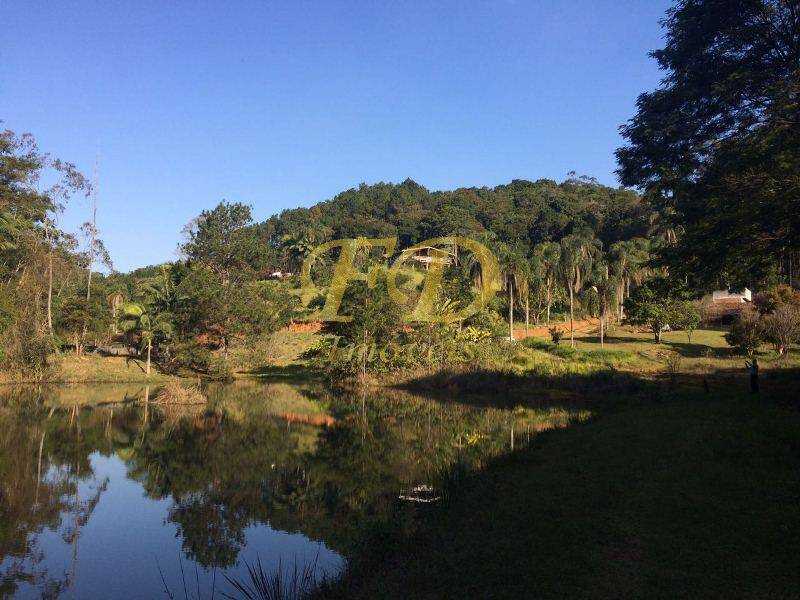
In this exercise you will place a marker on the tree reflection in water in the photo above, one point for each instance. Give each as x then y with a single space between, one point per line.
298 459
44 471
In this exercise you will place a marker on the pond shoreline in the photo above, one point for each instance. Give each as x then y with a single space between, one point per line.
272 467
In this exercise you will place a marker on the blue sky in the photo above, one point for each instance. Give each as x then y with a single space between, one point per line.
283 104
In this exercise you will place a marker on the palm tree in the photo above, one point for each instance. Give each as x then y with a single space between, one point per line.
547 257
628 260
606 289
151 327
298 247
512 275
526 277
472 264
160 290
115 300
577 254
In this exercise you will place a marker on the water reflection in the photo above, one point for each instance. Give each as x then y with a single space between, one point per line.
98 487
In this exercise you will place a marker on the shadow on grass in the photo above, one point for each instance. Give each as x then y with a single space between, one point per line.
507 389
293 372
691 493
694 350
686 349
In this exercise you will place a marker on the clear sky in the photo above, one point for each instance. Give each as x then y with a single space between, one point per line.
284 104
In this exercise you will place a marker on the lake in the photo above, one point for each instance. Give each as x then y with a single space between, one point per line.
103 494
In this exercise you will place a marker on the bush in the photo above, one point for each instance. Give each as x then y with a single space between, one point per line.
747 332
191 356
219 368
782 327
187 355
778 295
176 393
684 315
476 334
556 333
488 320
27 353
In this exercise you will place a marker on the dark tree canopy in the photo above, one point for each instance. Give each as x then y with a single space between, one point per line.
221 240
716 145
521 212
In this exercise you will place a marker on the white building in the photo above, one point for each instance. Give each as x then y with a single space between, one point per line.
742 296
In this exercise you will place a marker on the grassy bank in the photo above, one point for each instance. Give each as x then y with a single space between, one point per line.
91 368
676 494
684 484
625 353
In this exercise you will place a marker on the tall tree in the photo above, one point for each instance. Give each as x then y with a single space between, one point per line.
628 260
222 240
607 290
547 257
512 275
717 145
93 230
31 244
578 251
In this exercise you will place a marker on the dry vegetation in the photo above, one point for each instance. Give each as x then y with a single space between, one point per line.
175 393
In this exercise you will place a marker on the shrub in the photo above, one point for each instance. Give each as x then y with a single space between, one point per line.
476 334
191 356
684 315
175 393
747 332
556 333
489 320
27 353
187 355
782 327
219 368
321 348
672 360
778 295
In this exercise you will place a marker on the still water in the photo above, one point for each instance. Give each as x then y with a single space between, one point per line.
103 495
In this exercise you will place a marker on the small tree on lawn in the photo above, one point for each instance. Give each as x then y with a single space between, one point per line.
684 315
656 304
782 327
747 332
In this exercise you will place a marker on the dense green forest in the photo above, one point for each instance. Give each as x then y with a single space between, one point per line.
550 238
521 214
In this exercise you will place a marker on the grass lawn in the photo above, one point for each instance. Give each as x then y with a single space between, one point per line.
670 491
691 496
631 350
92 368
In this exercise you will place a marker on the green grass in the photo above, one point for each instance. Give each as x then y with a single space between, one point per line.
92 368
635 351
681 495
278 353
667 491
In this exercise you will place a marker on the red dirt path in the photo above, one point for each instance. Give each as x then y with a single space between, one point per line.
542 330
533 331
